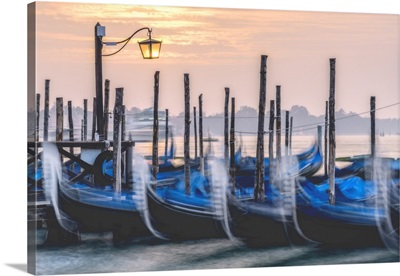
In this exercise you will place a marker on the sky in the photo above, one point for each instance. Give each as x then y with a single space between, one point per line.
218 48
14 89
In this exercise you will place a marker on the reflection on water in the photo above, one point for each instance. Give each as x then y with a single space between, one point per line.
96 254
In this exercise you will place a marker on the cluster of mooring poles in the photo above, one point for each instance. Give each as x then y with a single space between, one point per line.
119 133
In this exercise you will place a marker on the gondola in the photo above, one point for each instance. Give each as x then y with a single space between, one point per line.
352 221
79 206
247 164
174 168
394 201
35 189
181 215
360 165
262 224
306 163
137 209
270 221
102 210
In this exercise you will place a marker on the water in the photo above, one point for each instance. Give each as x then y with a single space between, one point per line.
346 145
97 254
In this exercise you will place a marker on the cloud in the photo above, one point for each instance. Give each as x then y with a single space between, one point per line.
228 42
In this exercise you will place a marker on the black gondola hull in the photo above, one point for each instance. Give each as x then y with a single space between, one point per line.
180 223
92 218
260 225
338 234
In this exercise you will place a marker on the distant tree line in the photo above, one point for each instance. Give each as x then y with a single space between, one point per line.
246 118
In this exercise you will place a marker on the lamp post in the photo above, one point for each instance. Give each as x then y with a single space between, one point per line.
150 49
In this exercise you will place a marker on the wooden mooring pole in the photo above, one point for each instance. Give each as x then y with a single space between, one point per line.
201 146
85 120
94 119
232 146
154 168
226 126
71 125
129 164
46 111
106 107
37 117
82 130
123 123
373 133
290 135
187 134
271 141
82 126
332 142
166 135
172 144
326 138
259 192
278 129
286 133
117 139
195 132
59 119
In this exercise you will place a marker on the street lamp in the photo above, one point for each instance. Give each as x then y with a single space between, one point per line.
150 49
